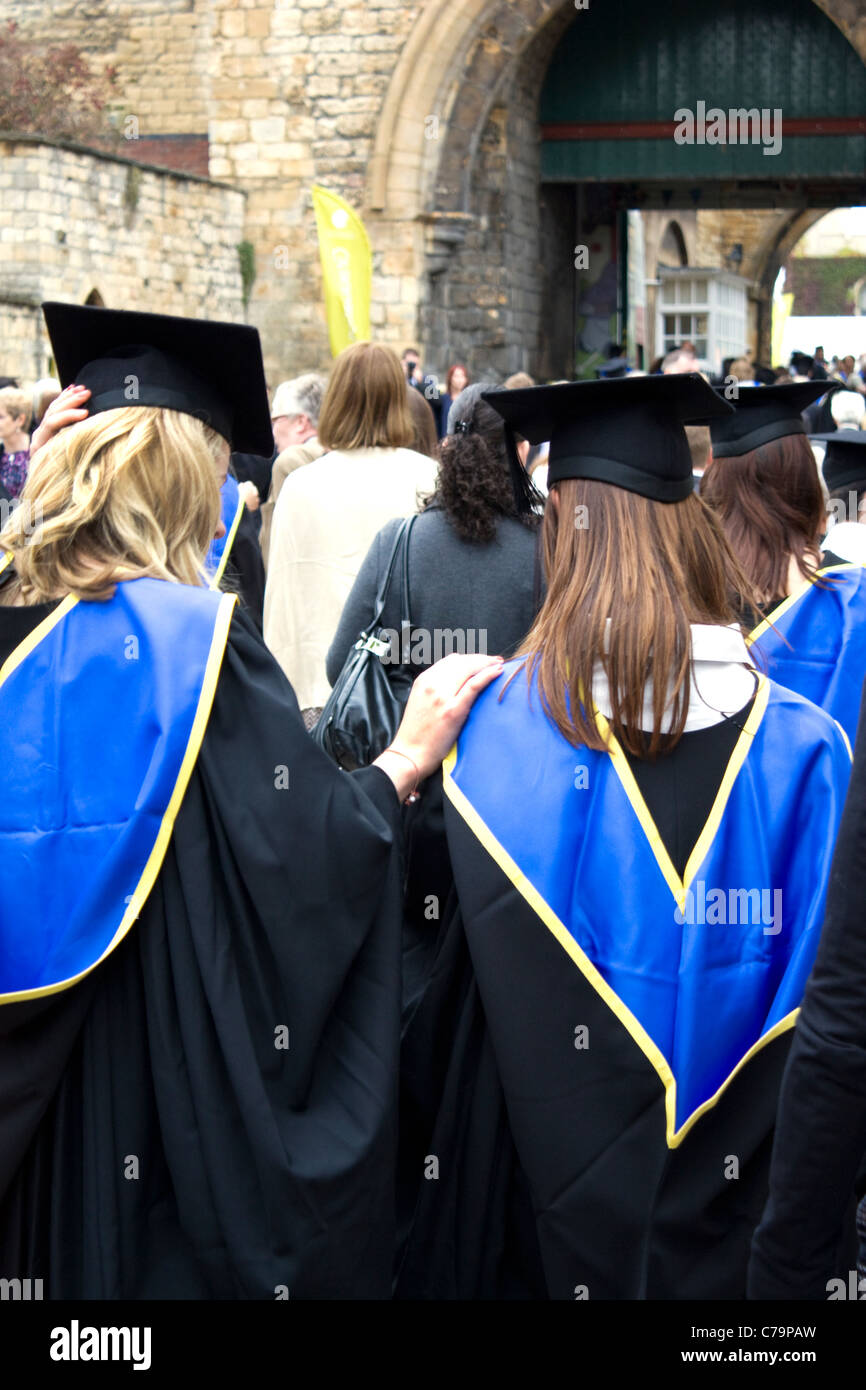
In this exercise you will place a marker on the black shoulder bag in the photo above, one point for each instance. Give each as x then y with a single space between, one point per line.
366 704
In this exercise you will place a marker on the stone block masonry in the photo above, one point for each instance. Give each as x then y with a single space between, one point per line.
73 222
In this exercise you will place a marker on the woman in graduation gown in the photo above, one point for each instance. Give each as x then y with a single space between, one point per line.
638 891
200 919
810 631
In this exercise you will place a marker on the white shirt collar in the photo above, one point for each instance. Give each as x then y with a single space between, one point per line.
847 539
722 679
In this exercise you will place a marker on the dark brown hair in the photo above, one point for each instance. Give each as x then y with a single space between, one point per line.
475 487
424 440
365 404
652 568
771 507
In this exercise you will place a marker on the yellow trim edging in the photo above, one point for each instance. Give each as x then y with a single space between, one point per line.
591 973
788 603
680 886
32 640
230 540
157 854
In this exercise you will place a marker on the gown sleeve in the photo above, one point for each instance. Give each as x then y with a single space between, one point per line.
821 1128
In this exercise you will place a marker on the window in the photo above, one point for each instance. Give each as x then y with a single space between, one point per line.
705 309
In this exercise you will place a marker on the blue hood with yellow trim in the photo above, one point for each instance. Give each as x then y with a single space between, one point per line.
700 971
817 644
102 713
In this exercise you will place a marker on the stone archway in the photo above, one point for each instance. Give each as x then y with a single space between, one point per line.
444 124
452 68
672 247
770 257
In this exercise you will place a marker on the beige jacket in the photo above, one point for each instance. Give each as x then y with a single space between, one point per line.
325 519
284 464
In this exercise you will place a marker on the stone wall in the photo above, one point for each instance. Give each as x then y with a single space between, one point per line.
297 92
280 94
161 48
482 303
73 222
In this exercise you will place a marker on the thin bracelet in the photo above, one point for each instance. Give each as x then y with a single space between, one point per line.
414 794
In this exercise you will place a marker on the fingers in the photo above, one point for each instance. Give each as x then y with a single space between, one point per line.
466 693
68 409
483 678
452 673
71 396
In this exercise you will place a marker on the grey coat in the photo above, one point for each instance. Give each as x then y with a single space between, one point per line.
481 592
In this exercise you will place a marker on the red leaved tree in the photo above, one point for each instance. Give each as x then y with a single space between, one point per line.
53 91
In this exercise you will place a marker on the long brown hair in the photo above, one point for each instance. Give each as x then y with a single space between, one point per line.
365 404
652 568
424 439
771 507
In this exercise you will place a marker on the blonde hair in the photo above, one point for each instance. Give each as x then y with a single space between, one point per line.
742 369
123 494
17 402
365 403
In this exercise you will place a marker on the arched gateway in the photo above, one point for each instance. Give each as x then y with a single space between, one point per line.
513 133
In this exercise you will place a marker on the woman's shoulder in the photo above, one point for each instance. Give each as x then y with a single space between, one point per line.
423 463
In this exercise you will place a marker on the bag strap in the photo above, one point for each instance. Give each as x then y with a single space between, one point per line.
405 616
385 583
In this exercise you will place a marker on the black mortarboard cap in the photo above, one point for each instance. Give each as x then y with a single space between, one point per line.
845 460
762 414
627 432
213 371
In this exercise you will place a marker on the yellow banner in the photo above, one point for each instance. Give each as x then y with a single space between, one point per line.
347 269
782 306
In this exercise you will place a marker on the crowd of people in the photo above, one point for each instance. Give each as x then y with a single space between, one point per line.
515 1009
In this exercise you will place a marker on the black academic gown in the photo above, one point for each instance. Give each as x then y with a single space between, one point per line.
805 1237
467 1229
156 1143
245 570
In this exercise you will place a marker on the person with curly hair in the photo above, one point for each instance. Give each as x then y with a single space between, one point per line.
471 552
475 586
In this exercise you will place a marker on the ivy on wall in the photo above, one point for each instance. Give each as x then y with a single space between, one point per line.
247 258
823 284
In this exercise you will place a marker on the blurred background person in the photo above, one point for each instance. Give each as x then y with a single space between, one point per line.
456 379
517 381
472 551
844 470
743 371
328 512
679 360
838 410
15 412
295 414
411 364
